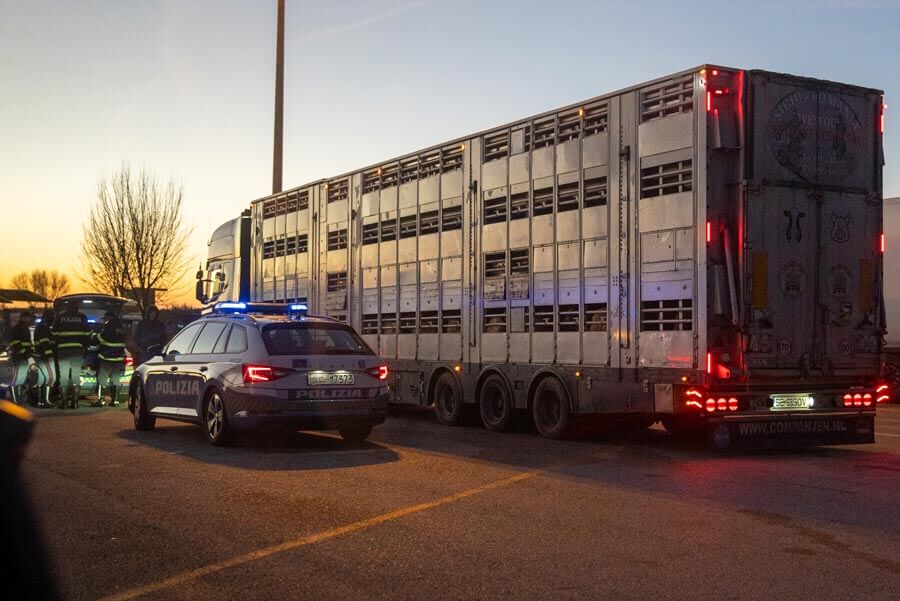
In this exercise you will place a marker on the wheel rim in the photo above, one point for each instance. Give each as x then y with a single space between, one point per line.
138 404
215 416
494 403
446 399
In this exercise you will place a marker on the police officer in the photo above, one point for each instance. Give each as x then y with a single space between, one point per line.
112 358
71 331
20 349
46 355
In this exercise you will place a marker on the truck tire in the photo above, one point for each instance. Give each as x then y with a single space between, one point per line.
550 408
495 404
143 420
448 400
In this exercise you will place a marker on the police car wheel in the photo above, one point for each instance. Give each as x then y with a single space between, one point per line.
495 404
215 421
142 418
357 433
550 408
448 402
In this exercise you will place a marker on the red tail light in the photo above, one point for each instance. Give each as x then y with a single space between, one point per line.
732 404
380 372
848 400
129 361
254 374
710 405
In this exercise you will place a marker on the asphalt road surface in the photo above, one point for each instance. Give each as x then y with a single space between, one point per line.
424 511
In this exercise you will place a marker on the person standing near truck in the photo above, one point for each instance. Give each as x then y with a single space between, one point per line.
150 332
71 332
46 355
20 349
112 359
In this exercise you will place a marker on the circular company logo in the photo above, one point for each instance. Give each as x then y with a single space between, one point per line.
793 280
816 135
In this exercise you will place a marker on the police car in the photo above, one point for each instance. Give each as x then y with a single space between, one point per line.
252 365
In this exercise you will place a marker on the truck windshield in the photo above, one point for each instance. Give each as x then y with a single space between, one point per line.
313 339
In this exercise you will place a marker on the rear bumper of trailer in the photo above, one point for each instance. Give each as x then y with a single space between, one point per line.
791 430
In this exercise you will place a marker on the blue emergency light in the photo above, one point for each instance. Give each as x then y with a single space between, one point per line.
232 306
299 308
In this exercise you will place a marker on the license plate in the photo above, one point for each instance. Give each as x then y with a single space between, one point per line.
789 402
340 379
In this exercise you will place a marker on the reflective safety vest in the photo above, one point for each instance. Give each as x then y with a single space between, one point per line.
20 344
43 339
71 331
112 341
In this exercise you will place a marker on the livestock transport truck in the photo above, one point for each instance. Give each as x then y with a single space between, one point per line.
703 249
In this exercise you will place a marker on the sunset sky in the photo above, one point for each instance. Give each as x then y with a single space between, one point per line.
185 88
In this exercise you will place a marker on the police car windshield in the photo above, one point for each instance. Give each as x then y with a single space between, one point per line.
313 339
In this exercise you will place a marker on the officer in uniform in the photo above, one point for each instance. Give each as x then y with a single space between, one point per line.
20 349
112 358
46 355
71 331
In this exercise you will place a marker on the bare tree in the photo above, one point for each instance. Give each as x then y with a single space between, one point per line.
47 283
135 241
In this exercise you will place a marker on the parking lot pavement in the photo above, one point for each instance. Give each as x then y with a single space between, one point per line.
426 511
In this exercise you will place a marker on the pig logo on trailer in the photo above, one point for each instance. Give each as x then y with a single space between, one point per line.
840 228
815 135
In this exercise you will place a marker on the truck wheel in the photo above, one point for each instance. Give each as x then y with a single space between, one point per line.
143 420
496 405
550 408
448 400
218 432
356 433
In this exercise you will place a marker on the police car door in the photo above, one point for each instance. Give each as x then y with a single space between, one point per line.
199 365
164 375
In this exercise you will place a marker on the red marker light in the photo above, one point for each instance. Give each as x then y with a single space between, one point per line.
881 126
715 71
882 243
710 405
882 388
709 363
708 101
708 232
732 404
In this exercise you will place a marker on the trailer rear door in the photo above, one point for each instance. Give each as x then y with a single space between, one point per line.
812 263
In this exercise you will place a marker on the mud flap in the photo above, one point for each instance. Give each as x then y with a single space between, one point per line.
791 431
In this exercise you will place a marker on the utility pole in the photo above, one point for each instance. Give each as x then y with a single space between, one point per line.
279 102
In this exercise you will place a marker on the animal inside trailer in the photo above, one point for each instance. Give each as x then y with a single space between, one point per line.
701 249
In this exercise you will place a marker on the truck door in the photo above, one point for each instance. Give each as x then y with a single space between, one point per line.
811 252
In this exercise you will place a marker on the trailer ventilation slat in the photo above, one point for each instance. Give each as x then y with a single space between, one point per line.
338 190
669 178
595 317
568 126
567 197
429 222
543 133
388 323
496 146
337 239
666 99
268 250
302 243
451 321
429 164
428 322
494 210
408 322
409 170
451 218
596 118
370 233
494 321
568 318
388 230
279 247
495 264
408 226
371 180
269 208
451 158
389 175
302 200
518 206
595 192
336 282
543 318
370 323
542 201
290 245
667 315
519 262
